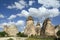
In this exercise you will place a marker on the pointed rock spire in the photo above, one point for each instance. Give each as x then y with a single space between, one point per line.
38 27
30 28
30 18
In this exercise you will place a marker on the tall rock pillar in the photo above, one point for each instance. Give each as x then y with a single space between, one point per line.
38 27
30 28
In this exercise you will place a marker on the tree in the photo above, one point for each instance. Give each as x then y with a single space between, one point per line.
18 34
3 34
21 34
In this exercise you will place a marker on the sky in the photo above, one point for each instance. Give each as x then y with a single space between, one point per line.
17 11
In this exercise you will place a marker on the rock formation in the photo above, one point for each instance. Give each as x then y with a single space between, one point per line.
57 28
38 27
11 30
6 28
47 28
30 28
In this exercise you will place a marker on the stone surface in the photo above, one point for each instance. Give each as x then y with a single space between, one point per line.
38 28
47 28
57 28
30 28
11 30
14 38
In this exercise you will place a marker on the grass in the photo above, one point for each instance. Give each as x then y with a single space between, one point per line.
40 39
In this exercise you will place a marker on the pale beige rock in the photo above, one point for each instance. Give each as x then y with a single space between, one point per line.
30 28
57 28
11 30
50 30
38 28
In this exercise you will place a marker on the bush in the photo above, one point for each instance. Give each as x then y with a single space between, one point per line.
3 34
10 39
18 34
21 34
56 38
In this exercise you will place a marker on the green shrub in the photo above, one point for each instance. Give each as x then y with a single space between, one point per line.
3 34
21 34
10 39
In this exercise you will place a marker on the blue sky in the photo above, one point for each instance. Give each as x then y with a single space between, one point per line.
17 11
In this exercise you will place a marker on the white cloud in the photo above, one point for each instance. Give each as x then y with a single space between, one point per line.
4 23
23 13
43 12
21 4
7 23
31 2
1 16
54 12
18 5
20 22
12 16
50 3
10 7
1 26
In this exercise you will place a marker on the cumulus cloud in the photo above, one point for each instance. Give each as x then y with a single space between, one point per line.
50 3
23 13
1 26
12 17
31 2
18 5
54 12
21 4
20 22
10 7
7 23
43 12
1 16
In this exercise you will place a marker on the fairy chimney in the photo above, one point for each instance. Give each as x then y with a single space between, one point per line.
11 30
30 28
38 27
48 29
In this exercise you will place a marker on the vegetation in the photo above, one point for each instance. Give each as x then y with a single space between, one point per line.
10 39
21 34
40 39
36 37
3 34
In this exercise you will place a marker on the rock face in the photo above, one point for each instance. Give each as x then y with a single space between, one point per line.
47 28
30 28
6 28
11 30
57 28
38 27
